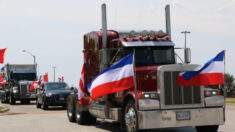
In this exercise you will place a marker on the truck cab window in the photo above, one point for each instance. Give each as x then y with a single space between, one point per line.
149 56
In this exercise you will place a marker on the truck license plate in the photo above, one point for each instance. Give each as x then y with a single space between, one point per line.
61 98
183 115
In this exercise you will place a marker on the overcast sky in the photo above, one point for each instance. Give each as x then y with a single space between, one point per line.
53 29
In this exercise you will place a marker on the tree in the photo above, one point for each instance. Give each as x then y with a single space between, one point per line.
228 78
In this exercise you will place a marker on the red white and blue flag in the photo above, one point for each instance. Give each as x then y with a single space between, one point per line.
33 85
210 74
118 77
81 89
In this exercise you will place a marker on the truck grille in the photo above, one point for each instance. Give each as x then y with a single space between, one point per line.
23 91
179 95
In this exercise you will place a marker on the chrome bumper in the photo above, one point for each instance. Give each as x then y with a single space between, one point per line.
167 118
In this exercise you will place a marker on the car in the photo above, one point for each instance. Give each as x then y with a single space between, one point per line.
52 94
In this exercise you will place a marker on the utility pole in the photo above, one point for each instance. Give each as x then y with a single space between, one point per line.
185 42
54 72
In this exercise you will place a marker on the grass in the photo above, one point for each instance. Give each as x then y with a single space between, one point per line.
230 100
1 108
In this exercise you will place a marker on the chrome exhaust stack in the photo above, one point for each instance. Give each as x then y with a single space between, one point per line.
104 26
168 20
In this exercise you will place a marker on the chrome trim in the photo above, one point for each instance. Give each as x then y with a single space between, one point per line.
214 101
104 112
167 118
149 104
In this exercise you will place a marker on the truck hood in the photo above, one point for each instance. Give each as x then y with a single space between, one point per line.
147 78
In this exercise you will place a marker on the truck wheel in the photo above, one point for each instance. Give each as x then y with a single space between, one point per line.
37 104
12 100
71 109
44 106
207 128
3 101
84 117
130 117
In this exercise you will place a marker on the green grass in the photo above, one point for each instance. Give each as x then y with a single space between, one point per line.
230 100
1 108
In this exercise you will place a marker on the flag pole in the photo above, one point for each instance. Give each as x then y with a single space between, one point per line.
135 83
225 89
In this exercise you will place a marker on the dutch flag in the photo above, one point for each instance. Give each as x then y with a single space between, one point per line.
118 77
209 74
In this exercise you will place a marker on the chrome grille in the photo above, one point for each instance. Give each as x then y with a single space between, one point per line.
23 91
179 95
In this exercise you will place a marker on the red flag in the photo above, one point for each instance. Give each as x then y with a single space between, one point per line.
1 78
81 81
2 53
81 89
45 77
33 85
62 79
2 81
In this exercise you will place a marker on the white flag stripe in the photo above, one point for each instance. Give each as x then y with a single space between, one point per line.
80 94
113 75
214 67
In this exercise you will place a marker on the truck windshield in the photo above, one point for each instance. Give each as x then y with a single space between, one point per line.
24 76
56 86
148 56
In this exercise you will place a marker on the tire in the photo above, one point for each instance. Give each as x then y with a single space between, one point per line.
37 104
207 128
64 106
71 109
130 117
12 100
6 100
44 106
83 117
3 101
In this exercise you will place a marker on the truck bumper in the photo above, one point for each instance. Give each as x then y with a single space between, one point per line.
168 118
28 97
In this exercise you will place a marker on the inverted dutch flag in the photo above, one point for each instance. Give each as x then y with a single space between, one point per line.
118 77
210 74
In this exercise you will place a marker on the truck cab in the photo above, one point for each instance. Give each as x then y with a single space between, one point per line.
19 78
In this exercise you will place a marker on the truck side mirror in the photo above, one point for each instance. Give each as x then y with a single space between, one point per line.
187 55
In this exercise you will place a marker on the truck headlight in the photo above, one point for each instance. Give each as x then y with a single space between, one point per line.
210 93
15 91
150 95
49 94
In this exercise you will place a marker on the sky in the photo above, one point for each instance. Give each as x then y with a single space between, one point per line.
53 30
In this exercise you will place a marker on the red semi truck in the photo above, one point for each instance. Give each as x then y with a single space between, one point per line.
157 101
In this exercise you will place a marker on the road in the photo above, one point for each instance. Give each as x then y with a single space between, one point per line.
27 118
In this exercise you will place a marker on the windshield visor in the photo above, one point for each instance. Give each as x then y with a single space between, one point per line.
149 56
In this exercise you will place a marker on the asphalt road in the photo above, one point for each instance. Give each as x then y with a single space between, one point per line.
27 118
